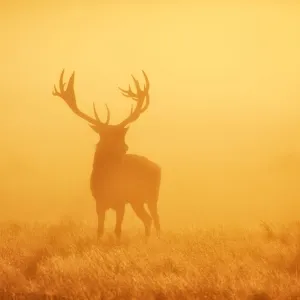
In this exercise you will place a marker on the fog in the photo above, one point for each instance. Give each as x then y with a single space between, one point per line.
223 122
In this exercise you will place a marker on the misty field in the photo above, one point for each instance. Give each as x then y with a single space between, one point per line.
65 260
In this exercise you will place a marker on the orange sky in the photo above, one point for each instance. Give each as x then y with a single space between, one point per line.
225 103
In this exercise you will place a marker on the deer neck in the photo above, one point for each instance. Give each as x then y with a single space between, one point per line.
105 160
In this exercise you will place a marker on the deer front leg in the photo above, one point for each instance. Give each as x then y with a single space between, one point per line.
120 211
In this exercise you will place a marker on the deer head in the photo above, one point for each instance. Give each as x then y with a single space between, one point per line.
112 137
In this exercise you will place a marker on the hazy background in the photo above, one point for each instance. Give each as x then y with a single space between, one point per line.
224 119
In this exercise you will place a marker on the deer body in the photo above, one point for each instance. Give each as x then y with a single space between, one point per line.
119 178
128 178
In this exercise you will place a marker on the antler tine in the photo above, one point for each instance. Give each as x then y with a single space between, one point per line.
68 95
137 85
146 90
141 92
141 97
147 83
129 93
61 80
97 116
108 115
55 91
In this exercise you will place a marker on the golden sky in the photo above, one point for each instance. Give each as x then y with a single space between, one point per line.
225 103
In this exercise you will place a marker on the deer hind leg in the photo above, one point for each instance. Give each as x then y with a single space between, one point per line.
152 206
140 211
120 211
153 197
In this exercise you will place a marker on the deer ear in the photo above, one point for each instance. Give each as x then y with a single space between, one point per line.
94 127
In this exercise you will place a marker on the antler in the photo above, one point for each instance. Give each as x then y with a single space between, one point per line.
68 95
141 97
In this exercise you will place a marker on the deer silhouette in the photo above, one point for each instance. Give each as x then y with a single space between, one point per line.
117 177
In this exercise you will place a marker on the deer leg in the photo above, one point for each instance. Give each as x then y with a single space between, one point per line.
101 219
120 211
140 211
152 206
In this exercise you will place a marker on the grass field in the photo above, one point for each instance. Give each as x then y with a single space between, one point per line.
65 260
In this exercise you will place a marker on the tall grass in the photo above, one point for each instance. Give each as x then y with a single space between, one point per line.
66 260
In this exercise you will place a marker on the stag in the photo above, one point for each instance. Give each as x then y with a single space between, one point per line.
117 177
